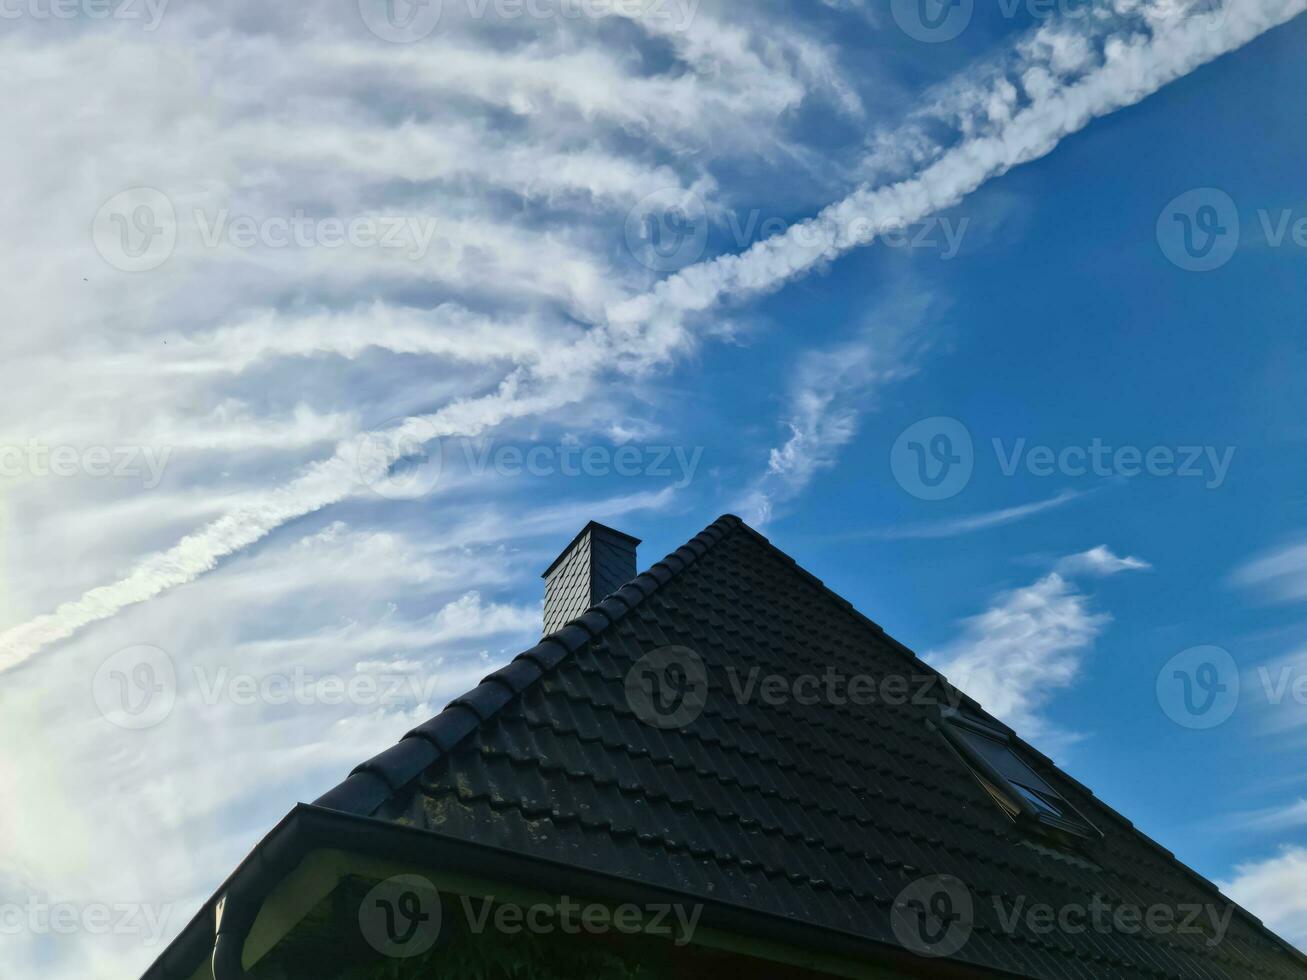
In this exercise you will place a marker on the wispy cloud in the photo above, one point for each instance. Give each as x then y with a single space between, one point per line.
1030 644
526 149
638 332
1009 115
829 389
1279 574
968 524
414 606
1100 562
1284 817
1278 690
1275 890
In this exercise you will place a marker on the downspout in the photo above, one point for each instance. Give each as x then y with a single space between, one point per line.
232 924
235 912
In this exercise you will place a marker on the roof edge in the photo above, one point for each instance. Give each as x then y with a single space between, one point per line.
374 782
1168 855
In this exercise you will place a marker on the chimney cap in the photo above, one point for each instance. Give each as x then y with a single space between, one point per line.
592 526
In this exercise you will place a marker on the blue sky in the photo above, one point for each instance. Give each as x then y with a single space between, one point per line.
579 208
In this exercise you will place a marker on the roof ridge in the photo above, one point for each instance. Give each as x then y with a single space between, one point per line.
372 783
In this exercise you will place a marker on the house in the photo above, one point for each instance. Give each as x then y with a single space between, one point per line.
716 767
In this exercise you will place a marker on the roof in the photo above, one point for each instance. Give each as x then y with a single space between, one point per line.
817 814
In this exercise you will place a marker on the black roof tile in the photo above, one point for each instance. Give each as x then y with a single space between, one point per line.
818 812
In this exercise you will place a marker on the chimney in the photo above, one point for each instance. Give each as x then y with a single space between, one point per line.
597 563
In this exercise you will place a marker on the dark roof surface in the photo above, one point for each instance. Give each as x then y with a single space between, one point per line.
819 813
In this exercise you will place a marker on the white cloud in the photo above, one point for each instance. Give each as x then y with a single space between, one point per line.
1275 890
1279 574
1278 690
518 313
1130 66
1284 817
1030 644
1100 562
646 329
968 524
177 806
829 389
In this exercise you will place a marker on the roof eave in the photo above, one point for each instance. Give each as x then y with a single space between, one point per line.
308 828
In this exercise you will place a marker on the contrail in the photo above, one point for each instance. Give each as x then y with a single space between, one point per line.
1132 68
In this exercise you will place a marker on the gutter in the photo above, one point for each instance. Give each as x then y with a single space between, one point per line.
219 931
